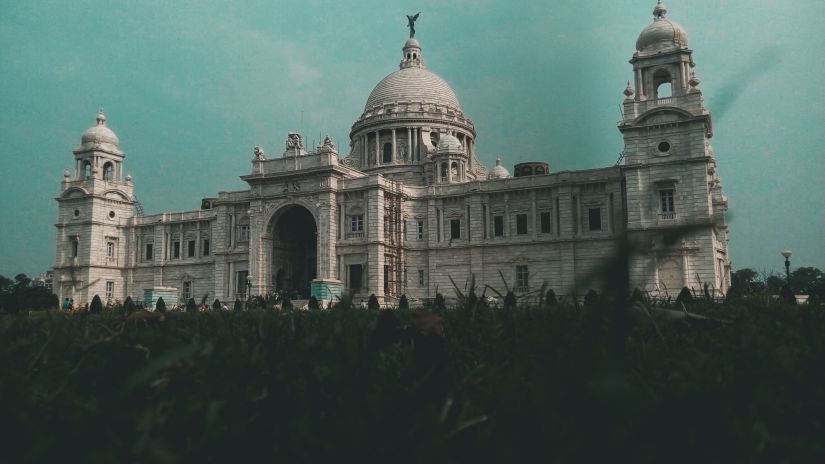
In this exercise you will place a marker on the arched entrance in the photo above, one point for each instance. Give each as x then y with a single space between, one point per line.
294 254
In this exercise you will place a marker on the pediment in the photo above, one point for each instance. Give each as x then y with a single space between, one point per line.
663 116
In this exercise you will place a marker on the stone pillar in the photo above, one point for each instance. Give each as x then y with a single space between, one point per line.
533 213
506 215
394 150
409 145
377 148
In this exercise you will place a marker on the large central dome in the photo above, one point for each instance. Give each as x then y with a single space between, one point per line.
413 84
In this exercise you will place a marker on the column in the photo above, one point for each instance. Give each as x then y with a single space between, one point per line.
198 241
409 145
394 150
377 149
640 87
507 215
364 154
533 213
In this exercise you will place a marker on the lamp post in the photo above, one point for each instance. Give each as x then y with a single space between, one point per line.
248 287
787 254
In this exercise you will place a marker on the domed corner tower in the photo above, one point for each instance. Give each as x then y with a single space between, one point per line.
96 201
405 117
675 204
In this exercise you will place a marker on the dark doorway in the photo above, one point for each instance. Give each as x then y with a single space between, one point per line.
387 153
294 251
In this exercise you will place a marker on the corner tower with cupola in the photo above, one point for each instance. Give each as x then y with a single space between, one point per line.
95 203
675 205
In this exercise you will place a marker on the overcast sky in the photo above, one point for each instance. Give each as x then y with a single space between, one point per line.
191 86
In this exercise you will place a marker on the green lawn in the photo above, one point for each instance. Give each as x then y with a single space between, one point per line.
546 384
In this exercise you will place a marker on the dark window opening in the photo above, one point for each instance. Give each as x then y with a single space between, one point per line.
387 153
149 250
667 200
539 170
595 218
355 271
498 226
74 248
545 223
669 240
191 248
387 272
87 169
108 170
455 229
176 250
206 247
664 147
521 224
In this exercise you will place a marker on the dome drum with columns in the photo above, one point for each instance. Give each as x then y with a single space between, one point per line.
406 116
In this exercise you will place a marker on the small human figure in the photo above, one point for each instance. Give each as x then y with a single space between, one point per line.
72 306
66 305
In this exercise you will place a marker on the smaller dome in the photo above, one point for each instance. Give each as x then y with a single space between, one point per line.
662 33
449 144
498 172
412 43
99 134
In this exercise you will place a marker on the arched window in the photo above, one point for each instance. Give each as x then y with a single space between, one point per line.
108 170
409 56
454 171
87 170
539 170
415 56
662 83
443 172
527 171
387 158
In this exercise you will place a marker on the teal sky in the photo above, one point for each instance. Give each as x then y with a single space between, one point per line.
191 86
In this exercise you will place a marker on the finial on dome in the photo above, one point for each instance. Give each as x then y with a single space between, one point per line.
628 91
66 174
101 118
660 11
498 161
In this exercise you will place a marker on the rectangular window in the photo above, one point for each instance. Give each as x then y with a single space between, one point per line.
522 278
187 289
206 247
498 226
149 254
74 245
110 249
357 223
190 252
545 223
355 274
387 273
176 249
455 229
419 229
595 218
240 282
667 200
243 233
421 278
110 290
521 224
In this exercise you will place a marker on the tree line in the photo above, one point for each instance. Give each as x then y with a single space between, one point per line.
20 293
804 280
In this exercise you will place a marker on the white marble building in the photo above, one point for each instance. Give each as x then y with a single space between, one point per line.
411 204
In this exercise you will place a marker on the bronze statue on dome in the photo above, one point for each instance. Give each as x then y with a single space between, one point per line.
411 23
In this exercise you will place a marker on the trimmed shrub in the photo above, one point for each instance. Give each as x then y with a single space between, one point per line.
685 296
403 303
216 305
787 295
313 303
97 306
160 306
510 300
237 307
439 302
286 304
191 306
550 298
591 298
129 305
372 303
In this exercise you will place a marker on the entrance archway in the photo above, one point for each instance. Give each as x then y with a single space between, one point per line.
294 259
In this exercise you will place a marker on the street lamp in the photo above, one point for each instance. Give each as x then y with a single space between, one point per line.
787 254
248 287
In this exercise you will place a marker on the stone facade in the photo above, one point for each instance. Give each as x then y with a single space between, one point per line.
411 209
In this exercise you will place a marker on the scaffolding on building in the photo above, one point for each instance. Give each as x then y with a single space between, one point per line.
394 265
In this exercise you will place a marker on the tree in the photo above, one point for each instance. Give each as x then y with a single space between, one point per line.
404 303
809 281
96 307
685 296
510 300
773 284
747 280
160 306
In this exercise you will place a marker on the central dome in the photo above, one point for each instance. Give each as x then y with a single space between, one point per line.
413 84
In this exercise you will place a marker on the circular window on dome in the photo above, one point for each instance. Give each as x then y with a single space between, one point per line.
76 213
112 214
664 147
